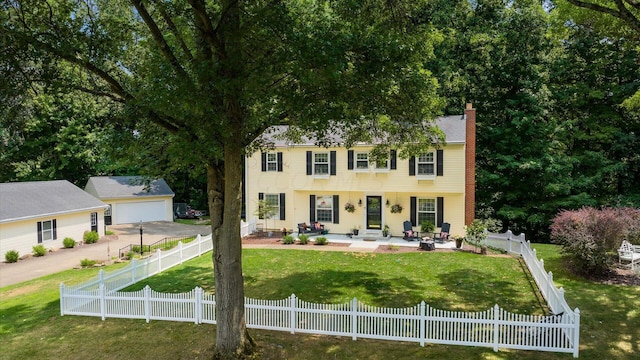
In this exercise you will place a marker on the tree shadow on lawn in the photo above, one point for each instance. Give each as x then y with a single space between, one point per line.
22 318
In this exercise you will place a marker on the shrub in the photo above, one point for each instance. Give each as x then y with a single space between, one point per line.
288 240
108 232
68 243
321 240
90 237
304 239
39 250
588 235
11 256
87 263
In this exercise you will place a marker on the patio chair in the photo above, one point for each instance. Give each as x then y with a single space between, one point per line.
628 255
408 232
443 235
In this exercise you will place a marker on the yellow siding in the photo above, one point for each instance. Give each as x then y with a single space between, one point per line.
393 185
22 235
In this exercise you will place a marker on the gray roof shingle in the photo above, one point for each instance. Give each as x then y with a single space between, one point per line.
25 200
454 128
111 187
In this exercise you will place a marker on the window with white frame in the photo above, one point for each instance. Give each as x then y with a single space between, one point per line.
362 161
324 208
274 201
382 165
321 163
426 211
46 230
272 162
426 164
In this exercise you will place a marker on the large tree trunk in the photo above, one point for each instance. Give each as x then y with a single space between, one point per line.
225 203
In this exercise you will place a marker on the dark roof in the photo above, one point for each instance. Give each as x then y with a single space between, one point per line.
454 128
111 187
25 200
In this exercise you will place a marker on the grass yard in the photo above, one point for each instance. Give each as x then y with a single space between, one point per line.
31 326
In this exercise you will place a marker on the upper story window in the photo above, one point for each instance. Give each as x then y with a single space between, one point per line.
271 161
426 164
321 164
362 161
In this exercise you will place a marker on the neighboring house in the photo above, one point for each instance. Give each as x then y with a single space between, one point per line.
46 212
131 199
310 183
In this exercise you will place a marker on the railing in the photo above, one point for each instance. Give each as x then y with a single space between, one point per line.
495 328
164 244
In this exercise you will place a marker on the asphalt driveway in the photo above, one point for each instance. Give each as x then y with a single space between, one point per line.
103 250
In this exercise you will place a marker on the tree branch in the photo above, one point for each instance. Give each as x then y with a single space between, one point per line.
174 30
207 29
159 38
621 13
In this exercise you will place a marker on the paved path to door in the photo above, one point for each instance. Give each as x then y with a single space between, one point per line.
65 259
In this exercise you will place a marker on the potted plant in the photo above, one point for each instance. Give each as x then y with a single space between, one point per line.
385 231
458 240
356 230
396 208
427 227
349 207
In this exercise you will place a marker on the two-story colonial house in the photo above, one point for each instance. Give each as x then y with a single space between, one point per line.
309 183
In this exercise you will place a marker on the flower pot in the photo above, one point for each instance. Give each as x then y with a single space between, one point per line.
355 231
458 243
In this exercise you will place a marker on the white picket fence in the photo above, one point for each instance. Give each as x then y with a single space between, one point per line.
495 328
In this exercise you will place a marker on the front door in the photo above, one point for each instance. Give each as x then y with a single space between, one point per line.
374 212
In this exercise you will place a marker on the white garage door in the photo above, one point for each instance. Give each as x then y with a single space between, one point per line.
127 213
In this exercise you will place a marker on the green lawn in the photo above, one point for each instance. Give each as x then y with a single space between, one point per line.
30 325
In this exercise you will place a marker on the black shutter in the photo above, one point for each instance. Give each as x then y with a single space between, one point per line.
309 163
394 162
55 230
439 211
412 167
280 163
332 161
336 209
412 211
350 159
263 157
439 163
39 232
282 207
312 208
260 197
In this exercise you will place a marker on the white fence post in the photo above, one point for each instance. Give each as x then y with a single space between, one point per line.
133 271
496 327
293 302
576 332
198 306
423 321
159 254
147 303
509 239
180 247
101 276
354 319
199 240
103 309
62 296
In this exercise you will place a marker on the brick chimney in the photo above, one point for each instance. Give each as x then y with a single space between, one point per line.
470 165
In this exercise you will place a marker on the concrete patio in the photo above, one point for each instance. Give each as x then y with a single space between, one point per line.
367 241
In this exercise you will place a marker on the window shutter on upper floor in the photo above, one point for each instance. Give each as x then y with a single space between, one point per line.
413 211
312 208
336 209
350 160
393 163
412 167
309 163
282 206
280 162
263 158
439 211
439 163
332 162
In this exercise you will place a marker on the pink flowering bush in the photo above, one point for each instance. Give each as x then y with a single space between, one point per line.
589 236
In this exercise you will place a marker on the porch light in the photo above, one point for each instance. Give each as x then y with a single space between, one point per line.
140 238
360 202
387 203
